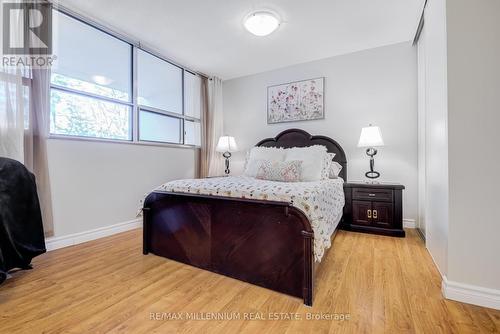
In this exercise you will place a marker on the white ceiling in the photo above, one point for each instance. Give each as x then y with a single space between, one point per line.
208 35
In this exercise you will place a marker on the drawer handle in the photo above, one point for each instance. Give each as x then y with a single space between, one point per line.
371 195
369 213
375 214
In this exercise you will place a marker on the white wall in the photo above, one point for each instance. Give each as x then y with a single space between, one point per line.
435 130
97 184
474 117
376 86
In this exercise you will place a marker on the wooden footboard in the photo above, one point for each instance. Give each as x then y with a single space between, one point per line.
269 244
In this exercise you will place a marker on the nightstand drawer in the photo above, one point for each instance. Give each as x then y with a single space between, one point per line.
372 194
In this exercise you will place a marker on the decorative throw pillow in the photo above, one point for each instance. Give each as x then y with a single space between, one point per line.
335 169
285 171
313 158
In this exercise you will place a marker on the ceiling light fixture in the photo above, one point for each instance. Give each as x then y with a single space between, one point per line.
262 23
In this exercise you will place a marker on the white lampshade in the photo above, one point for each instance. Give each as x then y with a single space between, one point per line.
226 144
370 137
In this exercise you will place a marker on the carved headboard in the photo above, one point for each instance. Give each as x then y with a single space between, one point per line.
300 138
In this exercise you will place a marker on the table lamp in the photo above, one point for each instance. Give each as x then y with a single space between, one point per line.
371 137
227 145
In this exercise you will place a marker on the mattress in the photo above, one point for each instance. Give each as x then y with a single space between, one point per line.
321 201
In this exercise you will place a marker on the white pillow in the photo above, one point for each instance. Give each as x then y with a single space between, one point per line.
252 167
257 154
267 153
313 158
335 169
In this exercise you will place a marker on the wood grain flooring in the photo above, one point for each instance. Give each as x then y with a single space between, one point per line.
367 284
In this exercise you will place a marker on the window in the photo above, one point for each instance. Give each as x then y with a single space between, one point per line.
159 128
192 107
96 91
160 83
91 61
80 115
166 102
192 94
192 133
91 82
160 99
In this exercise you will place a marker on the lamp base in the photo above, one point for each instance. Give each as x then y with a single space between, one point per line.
372 174
227 155
371 152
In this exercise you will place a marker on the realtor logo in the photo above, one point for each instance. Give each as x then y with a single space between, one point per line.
27 33
27 28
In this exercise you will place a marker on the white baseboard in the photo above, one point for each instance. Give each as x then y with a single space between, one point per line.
470 294
409 223
53 243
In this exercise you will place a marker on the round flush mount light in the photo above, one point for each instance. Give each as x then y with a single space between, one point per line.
262 23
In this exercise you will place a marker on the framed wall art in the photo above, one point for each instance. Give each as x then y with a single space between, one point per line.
296 101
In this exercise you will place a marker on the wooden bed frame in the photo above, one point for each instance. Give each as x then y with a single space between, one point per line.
261 242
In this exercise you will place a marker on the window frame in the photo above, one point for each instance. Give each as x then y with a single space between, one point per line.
133 103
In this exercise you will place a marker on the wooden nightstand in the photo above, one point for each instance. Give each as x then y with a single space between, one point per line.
374 208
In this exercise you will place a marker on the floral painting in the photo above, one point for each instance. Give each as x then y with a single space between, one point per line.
296 101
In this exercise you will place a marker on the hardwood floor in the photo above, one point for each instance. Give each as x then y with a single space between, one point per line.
382 284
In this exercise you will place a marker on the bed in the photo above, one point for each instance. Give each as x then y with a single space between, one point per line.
246 228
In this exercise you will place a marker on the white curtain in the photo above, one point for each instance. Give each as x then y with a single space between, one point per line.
24 120
12 98
12 109
211 162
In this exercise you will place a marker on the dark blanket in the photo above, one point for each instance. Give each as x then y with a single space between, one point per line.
21 229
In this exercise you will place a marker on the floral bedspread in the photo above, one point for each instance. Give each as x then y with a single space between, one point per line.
321 201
